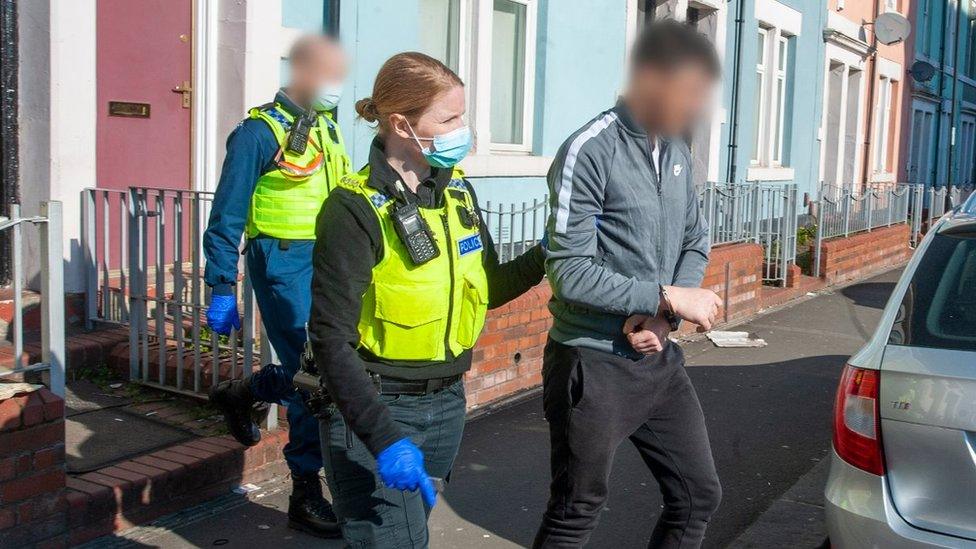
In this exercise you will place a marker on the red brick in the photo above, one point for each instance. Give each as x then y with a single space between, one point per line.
32 438
33 412
10 411
167 465
180 458
41 507
77 505
32 485
153 473
53 405
226 441
208 446
47 457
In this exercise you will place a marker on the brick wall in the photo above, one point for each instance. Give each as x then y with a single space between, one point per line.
508 357
858 256
735 273
33 509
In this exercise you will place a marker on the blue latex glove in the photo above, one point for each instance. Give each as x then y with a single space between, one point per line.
401 467
222 314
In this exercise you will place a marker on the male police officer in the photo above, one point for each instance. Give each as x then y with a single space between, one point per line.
626 255
281 163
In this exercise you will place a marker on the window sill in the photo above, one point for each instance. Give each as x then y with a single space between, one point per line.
758 173
506 165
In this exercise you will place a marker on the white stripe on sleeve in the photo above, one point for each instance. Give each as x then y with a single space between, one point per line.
569 166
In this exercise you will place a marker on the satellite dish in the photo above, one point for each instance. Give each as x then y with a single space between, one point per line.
891 28
922 71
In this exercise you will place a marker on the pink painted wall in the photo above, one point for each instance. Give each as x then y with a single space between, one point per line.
859 11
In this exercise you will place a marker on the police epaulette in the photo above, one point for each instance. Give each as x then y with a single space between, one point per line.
378 199
280 118
457 184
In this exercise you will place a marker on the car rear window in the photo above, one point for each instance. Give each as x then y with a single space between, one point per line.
939 307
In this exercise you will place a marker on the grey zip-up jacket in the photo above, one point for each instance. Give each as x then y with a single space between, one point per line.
618 230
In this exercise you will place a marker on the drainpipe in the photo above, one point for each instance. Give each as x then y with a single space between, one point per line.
955 90
734 103
872 91
941 110
332 18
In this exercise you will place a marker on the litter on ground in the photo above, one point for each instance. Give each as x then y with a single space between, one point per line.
734 339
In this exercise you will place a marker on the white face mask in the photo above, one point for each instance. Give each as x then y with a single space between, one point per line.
327 96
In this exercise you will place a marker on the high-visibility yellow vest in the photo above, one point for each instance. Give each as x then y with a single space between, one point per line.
285 205
430 312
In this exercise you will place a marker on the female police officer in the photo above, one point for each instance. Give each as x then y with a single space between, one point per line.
404 271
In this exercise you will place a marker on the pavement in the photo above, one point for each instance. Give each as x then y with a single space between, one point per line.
768 412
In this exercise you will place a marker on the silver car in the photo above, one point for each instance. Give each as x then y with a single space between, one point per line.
903 469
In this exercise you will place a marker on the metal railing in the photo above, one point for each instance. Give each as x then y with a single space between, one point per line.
50 234
764 213
145 269
105 232
853 212
515 229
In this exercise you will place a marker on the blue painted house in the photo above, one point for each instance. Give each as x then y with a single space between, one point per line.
941 128
774 102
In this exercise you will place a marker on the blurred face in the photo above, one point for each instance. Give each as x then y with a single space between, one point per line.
324 64
669 102
445 114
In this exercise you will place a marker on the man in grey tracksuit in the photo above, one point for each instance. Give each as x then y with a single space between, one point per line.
627 250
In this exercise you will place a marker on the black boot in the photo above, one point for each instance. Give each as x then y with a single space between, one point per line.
235 400
308 511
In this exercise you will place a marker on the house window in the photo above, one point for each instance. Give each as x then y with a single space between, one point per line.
490 44
967 149
970 63
772 91
508 72
922 27
502 70
760 105
441 34
882 128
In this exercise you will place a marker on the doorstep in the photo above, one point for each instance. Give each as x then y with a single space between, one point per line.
81 348
149 486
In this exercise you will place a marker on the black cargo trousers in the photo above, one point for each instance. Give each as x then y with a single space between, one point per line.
593 401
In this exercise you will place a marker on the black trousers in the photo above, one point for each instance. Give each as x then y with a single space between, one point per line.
595 400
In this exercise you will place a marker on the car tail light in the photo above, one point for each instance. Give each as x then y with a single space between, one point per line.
857 428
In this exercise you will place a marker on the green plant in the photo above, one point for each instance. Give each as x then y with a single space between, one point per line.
806 235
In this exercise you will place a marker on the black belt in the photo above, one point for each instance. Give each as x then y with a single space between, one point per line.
416 387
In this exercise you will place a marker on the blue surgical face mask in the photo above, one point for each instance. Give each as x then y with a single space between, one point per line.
449 148
327 97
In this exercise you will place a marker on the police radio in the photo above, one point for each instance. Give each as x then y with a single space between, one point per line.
298 136
413 230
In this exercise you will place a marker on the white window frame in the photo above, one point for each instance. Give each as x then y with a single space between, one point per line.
772 101
781 20
780 86
882 128
762 58
967 149
481 63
